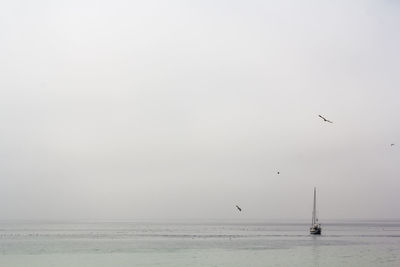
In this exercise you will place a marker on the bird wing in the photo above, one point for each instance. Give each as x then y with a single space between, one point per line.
325 119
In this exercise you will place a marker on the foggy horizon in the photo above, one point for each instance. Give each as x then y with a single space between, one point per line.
139 111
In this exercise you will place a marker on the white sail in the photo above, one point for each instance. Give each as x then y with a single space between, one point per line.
315 226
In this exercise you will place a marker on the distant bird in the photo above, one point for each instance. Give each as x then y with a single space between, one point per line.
238 208
325 119
278 172
391 144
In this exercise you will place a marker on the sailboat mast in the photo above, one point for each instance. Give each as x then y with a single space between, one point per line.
315 207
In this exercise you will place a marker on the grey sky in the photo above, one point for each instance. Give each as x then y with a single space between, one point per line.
182 109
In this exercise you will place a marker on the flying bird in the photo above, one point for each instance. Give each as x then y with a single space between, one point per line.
278 172
238 208
325 119
391 144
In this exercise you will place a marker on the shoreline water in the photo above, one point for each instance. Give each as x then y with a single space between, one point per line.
348 243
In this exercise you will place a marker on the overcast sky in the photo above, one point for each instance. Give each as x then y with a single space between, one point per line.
154 110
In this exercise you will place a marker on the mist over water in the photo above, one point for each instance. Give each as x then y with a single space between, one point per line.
130 110
170 114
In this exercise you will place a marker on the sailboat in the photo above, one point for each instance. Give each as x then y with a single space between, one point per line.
315 228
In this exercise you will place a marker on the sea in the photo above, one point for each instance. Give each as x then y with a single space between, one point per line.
255 243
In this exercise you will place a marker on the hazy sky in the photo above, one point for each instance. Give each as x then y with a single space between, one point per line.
136 110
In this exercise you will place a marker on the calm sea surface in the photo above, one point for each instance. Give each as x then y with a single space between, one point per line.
362 243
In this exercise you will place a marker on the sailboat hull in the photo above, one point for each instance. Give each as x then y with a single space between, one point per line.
315 230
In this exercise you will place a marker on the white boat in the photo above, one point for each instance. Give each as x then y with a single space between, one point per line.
315 228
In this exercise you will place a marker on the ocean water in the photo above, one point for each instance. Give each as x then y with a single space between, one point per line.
355 243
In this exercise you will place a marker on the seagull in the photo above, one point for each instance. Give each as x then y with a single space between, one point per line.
325 119
238 208
391 144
